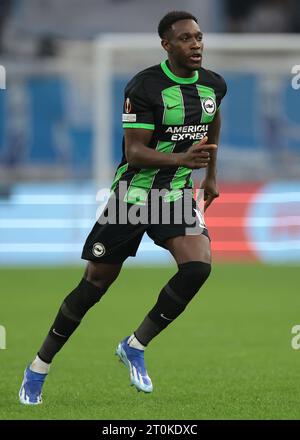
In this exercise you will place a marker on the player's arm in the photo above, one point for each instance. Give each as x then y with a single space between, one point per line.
139 155
213 138
209 184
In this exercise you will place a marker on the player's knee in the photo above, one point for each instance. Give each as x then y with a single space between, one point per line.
83 297
99 277
190 277
98 280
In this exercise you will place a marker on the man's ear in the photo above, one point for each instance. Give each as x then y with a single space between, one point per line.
165 44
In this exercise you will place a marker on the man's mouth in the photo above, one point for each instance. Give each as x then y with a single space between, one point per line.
196 57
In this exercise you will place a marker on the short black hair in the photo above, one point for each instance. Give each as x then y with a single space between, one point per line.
170 18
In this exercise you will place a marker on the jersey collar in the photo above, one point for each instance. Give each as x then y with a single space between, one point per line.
178 79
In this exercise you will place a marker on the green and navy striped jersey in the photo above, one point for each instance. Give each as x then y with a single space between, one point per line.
178 111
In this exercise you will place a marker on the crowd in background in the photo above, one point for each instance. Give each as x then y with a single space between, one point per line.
262 16
39 24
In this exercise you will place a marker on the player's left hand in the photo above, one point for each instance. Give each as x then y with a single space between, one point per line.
209 185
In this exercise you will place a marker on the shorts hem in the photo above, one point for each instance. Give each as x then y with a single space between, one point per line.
161 243
110 259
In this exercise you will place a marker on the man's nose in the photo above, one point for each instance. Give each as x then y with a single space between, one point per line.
196 44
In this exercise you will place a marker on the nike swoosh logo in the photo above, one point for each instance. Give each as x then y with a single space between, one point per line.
170 107
163 316
58 334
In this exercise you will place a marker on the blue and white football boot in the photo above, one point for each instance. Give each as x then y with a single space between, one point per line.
31 389
133 358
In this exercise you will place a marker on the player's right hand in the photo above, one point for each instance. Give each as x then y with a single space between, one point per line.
198 155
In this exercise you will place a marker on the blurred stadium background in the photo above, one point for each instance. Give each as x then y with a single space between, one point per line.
67 62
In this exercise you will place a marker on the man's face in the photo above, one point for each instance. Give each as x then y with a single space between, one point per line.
184 44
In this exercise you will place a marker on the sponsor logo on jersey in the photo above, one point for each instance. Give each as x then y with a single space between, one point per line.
170 107
98 250
128 118
127 105
209 106
191 132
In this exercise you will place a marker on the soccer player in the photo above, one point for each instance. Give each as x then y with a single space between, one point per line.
171 122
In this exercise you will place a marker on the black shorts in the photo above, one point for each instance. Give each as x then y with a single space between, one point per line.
116 236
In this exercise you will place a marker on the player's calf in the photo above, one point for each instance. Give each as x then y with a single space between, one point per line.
173 299
69 316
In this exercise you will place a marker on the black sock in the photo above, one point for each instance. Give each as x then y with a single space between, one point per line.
69 316
173 299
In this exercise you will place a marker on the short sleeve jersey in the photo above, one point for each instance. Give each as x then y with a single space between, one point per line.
178 111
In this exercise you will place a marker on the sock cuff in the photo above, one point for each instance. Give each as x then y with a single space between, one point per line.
43 360
142 343
193 264
85 284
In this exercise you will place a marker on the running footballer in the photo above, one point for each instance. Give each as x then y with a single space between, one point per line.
171 122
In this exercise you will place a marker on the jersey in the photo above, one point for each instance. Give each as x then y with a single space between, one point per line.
178 111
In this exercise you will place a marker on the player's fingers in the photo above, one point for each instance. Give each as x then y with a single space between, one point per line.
209 199
200 155
203 140
203 148
207 203
201 161
209 147
197 166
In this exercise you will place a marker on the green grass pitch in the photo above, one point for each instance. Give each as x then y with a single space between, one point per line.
228 356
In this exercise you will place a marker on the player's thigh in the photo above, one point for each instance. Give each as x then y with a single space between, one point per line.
187 248
101 274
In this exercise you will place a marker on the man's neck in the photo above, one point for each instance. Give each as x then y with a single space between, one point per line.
180 71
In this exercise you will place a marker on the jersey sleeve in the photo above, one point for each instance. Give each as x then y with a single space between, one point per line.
137 108
221 90
219 85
